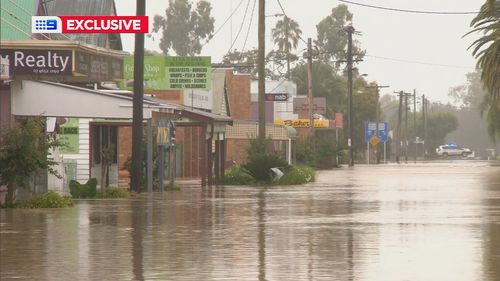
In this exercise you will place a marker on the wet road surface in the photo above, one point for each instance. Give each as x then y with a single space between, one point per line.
410 222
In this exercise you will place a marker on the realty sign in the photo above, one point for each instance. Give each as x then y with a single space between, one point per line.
37 62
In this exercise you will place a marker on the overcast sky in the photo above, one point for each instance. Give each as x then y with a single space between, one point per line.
433 43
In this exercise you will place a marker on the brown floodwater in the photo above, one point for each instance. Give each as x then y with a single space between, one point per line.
410 222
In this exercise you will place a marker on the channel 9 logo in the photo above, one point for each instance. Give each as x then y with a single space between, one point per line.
46 25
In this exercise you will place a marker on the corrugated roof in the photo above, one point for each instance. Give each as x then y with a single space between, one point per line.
15 18
85 7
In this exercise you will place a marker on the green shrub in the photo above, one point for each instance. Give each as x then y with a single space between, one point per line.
48 200
236 176
114 192
297 175
259 166
87 190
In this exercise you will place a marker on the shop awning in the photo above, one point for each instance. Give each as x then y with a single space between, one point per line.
41 98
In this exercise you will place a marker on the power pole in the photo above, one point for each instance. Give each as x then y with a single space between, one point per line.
406 128
309 90
262 71
350 121
287 49
424 120
398 144
137 101
415 123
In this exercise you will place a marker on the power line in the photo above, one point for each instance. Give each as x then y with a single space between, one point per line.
284 13
419 62
241 26
249 26
409 11
224 23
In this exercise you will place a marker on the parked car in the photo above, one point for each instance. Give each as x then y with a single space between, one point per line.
452 150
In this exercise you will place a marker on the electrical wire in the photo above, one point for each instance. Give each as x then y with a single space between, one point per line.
249 26
224 23
409 11
419 62
241 26
283 10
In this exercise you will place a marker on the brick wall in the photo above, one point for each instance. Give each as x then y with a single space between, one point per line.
173 96
237 150
238 91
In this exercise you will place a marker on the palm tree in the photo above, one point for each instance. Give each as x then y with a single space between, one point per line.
487 52
286 35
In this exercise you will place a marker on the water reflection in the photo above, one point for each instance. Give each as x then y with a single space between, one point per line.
429 222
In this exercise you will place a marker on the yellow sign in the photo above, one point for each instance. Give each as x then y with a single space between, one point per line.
302 123
374 140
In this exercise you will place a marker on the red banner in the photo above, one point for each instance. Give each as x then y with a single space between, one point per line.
104 24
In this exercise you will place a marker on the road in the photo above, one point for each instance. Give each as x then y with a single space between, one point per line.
423 221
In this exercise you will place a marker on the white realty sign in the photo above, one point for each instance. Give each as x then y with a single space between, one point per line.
38 62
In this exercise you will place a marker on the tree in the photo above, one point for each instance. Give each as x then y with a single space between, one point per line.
286 34
24 151
470 95
183 29
487 52
332 39
245 61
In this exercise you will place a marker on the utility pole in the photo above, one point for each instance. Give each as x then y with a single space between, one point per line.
406 128
309 90
350 121
424 120
398 144
137 109
415 123
262 71
287 49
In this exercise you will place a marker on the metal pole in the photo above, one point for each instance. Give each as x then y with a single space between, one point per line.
385 154
137 109
350 122
309 89
406 128
161 166
415 122
368 153
262 71
149 156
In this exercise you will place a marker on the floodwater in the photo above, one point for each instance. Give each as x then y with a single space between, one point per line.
411 222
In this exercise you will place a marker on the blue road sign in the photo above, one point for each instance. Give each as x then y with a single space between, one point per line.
371 130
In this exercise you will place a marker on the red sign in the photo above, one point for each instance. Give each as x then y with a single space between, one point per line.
277 97
104 24
301 105
339 120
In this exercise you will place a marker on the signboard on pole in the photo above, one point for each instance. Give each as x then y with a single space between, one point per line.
154 72
371 131
277 97
188 73
301 105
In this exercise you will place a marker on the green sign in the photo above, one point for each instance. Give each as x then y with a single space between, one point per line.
154 72
188 73
69 135
163 73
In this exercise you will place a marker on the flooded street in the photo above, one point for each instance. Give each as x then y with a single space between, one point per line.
412 222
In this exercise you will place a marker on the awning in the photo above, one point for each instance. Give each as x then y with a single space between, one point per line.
50 99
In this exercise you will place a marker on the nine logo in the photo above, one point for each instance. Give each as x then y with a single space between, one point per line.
46 25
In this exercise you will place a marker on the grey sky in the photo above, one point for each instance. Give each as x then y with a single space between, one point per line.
433 39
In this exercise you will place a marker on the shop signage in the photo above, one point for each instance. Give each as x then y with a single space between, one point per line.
301 105
302 123
38 62
154 72
98 68
69 136
277 97
188 73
